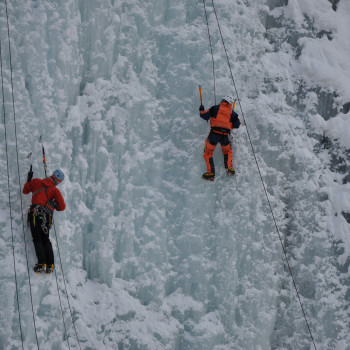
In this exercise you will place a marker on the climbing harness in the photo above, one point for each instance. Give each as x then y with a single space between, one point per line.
44 214
43 210
260 174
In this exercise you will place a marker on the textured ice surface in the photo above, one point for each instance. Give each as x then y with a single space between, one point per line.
155 258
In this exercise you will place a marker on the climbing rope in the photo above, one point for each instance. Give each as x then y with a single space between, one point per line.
262 181
19 182
9 193
60 260
58 290
65 286
14 117
211 49
64 323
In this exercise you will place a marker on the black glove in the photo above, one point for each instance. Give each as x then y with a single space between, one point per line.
201 108
30 176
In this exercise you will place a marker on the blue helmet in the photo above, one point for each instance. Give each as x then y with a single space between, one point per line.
57 176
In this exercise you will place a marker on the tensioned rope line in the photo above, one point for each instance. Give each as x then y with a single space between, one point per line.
64 323
19 179
65 286
20 187
262 181
9 192
59 258
211 49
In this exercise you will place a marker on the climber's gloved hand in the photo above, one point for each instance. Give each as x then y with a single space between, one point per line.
201 108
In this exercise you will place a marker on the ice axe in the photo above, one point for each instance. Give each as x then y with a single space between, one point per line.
200 94
234 105
30 158
44 158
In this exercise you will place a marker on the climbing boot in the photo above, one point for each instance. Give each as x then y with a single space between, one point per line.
208 176
230 171
50 268
39 268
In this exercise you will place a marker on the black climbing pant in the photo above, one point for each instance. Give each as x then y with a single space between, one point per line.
40 223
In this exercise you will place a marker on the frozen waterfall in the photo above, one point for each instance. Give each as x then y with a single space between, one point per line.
154 257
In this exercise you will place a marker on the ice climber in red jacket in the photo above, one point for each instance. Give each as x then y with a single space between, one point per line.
45 199
222 120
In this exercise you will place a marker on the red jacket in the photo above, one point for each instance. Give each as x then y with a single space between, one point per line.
41 197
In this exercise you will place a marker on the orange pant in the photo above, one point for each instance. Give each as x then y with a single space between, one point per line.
210 144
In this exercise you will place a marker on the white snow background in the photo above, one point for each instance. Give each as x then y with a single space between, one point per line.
154 257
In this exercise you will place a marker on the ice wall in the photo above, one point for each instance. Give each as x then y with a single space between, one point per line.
155 258
315 36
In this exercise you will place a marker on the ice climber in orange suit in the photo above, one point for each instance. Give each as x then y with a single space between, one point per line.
222 120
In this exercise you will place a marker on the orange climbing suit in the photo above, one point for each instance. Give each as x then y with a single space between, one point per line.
222 120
